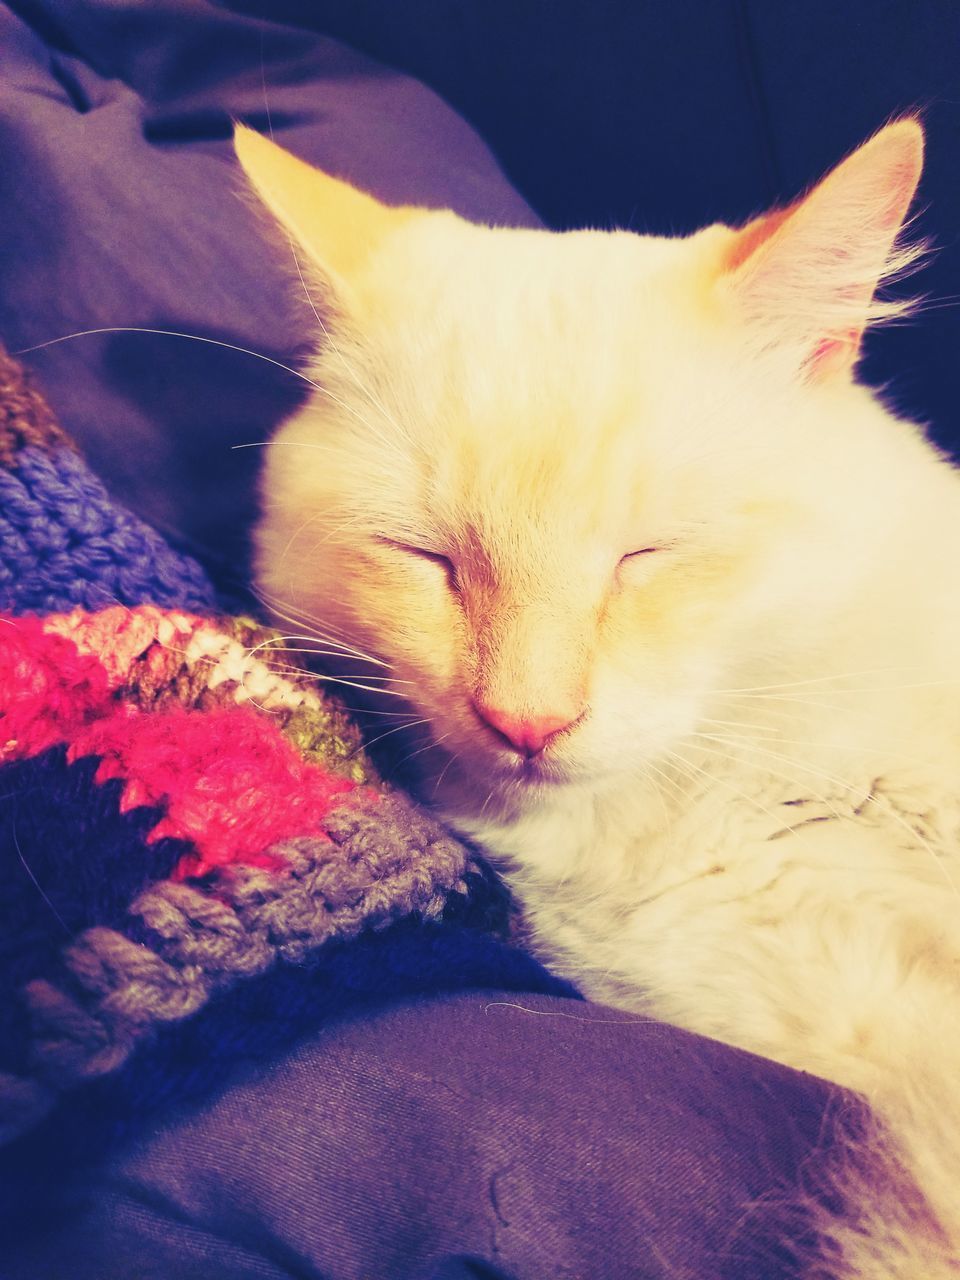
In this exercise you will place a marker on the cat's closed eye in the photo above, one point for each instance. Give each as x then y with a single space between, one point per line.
629 569
427 555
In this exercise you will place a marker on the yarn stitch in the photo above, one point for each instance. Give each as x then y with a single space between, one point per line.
183 813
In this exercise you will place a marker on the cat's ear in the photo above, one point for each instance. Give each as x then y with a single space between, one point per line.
335 225
805 277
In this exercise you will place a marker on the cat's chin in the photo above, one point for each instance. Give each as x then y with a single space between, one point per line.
525 781
538 771
502 784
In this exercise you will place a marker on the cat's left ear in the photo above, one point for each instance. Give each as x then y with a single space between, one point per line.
337 226
805 277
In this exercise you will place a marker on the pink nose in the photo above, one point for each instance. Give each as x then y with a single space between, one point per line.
526 734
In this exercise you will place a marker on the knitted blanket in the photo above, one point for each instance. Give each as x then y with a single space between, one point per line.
199 861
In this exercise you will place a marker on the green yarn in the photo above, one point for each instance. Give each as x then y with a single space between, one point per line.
327 736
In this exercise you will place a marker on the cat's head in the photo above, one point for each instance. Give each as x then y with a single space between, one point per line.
566 485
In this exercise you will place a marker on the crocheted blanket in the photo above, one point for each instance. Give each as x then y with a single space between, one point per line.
199 861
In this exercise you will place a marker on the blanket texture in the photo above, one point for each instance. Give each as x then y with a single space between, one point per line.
199 861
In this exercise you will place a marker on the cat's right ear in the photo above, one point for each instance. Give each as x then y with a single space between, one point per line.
336 226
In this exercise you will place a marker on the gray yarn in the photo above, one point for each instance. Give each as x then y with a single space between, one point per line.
385 859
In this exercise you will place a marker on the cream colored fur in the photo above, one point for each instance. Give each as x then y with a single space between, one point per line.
752 829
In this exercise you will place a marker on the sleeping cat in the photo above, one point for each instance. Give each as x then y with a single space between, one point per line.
674 599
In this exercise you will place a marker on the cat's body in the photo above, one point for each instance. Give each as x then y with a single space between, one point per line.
674 597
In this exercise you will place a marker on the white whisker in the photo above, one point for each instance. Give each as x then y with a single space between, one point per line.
316 648
301 618
213 342
684 763
350 684
397 728
374 401
426 747
315 645
169 333
443 771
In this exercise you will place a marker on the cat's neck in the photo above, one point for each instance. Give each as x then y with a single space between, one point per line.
551 831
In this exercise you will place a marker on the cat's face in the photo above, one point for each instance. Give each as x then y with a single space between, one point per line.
568 486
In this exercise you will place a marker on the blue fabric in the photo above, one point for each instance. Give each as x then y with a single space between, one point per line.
121 205
481 1134
66 542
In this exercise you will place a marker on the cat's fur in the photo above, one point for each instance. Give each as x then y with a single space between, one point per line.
749 826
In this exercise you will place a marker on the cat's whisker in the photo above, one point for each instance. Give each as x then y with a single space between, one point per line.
768 691
312 518
770 729
374 401
773 735
319 677
898 688
319 647
350 523
810 680
169 333
686 772
369 711
731 746
290 444
443 772
300 618
770 713
334 650
434 742
712 780
651 773
281 668
678 791
807 701
397 728
314 674
380 691
285 607
490 794
214 342
940 306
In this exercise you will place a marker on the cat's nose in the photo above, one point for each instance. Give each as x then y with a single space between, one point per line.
528 734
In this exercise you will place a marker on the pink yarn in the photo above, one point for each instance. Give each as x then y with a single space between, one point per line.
228 782
48 690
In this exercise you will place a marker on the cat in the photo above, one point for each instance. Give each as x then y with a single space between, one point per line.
672 597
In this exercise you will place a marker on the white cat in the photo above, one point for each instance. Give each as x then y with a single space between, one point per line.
677 600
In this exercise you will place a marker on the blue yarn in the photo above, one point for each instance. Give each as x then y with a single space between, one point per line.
70 858
65 542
